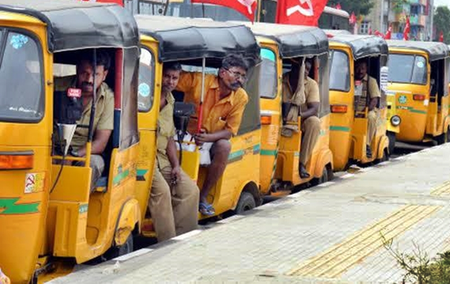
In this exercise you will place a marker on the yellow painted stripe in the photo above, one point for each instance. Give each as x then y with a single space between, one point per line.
441 189
341 257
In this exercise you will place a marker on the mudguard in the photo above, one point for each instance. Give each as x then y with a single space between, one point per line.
129 216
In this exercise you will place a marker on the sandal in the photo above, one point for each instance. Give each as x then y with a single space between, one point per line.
206 209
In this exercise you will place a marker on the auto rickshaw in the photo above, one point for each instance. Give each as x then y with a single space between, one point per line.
418 78
349 125
199 45
49 220
280 44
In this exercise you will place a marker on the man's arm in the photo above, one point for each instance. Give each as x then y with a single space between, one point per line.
101 138
313 110
171 152
374 93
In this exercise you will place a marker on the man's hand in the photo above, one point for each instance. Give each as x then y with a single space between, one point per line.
176 174
203 137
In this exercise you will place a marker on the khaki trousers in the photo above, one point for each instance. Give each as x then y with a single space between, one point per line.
97 166
372 118
310 135
174 209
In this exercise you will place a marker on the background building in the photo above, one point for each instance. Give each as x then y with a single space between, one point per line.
394 12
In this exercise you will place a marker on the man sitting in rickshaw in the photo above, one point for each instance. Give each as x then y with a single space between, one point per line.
308 110
104 109
223 106
174 195
370 100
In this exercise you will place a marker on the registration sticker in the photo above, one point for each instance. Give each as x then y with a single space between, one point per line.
144 90
34 182
402 99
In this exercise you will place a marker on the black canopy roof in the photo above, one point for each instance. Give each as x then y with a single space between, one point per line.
294 40
435 50
76 24
185 38
363 45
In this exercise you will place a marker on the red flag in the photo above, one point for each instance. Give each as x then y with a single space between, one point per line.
441 36
338 6
245 7
377 33
407 29
388 33
300 12
352 19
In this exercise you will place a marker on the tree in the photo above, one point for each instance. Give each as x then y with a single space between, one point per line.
359 7
441 23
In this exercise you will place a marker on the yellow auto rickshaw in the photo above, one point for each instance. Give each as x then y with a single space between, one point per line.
280 46
349 118
418 79
199 45
49 220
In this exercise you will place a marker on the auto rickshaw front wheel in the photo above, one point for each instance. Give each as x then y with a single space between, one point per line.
125 248
392 139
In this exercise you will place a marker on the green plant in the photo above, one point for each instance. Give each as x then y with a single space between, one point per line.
419 267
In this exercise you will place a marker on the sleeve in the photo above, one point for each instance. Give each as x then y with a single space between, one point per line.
106 120
374 91
313 96
235 117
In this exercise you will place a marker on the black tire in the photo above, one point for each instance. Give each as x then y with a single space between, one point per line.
246 202
443 138
384 158
323 178
125 248
392 139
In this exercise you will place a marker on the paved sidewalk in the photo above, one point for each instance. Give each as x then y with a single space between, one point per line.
327 234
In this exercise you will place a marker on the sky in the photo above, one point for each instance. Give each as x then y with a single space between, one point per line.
442 3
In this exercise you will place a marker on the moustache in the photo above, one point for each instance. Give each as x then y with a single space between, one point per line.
87 84
236 85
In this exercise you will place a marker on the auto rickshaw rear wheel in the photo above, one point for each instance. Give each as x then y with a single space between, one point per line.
392 139
443 138
246 202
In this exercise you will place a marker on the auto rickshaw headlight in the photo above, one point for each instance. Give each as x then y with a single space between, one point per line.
396 120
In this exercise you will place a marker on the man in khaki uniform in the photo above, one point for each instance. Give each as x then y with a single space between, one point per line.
369 98
174 196
309 112
104 110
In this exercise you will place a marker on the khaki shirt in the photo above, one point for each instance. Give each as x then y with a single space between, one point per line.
104 112
374 91
218 114
311 92
166 130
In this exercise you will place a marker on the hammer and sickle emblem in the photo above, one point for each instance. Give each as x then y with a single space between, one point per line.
297 8
248 4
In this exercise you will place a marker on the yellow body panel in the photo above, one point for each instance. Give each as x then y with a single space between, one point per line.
280 155
239 174
38 225
392 110
347 133
421 120
147 123
25 213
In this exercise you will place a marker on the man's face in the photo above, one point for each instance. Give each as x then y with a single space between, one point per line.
307 69
360 70
85 77
234 77
170 80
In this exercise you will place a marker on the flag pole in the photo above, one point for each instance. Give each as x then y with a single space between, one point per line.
258 16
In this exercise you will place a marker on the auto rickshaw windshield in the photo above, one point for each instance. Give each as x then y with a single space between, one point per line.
20 77
268 73
404 68
339 71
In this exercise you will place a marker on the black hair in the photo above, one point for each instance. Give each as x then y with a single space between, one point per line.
234 60
103 59
174 66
